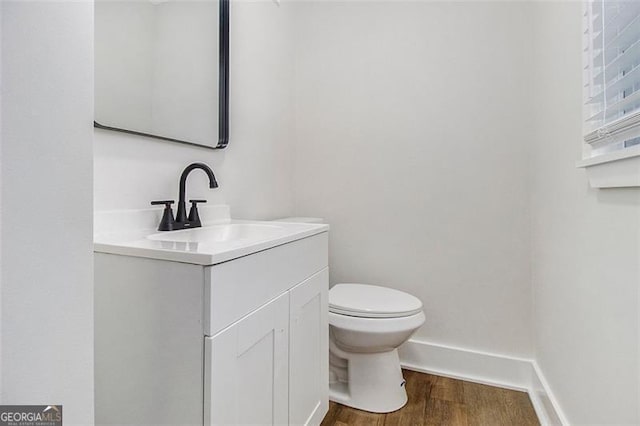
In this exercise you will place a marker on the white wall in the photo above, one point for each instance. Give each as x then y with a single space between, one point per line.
410 142
585 245
255 170
1 91
46 178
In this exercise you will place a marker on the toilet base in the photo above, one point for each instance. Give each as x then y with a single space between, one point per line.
373 383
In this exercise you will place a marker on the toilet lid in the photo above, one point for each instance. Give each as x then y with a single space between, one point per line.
371 301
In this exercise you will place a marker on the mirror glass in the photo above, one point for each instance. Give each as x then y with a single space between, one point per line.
161 69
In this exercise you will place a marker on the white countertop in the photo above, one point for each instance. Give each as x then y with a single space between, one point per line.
133 233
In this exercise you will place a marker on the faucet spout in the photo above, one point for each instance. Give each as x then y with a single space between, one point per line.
181 215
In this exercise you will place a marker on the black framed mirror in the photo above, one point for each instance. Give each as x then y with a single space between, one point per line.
162 69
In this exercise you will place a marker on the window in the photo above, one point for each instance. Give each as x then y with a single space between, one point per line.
611 75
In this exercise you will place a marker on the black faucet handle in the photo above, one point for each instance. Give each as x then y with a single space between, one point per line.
166 203
167 221
194 217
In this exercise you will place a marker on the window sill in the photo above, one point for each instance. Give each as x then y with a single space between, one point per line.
620 169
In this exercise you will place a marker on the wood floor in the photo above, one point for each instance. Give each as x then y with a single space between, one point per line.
435 400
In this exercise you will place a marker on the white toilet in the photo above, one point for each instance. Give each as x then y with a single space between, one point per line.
366 326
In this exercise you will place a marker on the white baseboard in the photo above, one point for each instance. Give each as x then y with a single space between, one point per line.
543 400
486 368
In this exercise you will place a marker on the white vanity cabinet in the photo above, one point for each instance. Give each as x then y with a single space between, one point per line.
308 337
271 366
240 342
247 369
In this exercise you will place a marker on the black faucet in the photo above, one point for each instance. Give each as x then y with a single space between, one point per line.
182 221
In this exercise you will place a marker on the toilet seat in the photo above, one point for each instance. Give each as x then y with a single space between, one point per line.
370 301
376 325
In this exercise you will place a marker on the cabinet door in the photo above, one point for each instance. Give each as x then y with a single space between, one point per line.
246 369
309 351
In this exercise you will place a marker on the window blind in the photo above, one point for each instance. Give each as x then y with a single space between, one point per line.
612 74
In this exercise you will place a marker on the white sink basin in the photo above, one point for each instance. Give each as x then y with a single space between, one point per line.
223 233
